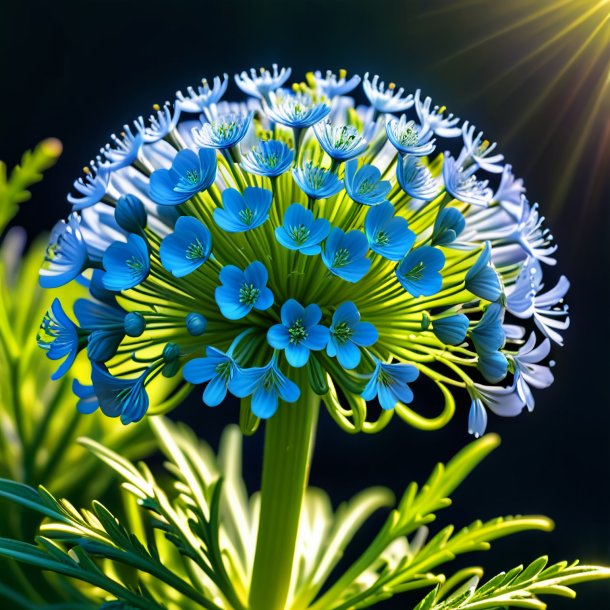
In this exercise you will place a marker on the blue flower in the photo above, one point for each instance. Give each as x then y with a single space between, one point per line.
419 271
332 86
415 179
388 235
451 330
243 212
479 150
262 83
105 325
462 183
433 117
301 231
242 291
265 384
389 384
224 132
299 332
130 214
218 369
482 279
66 255
408 138
160 125
488 337
187 248
448 225
189 174
529 371
296 110
123 151
60 337
126 398
340 142
126 264
365 185
87 400
270 158
316 182
347 332
195 324
205 95
345 255
384 100
91 189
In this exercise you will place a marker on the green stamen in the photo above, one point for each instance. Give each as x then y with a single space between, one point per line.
342 332
299 234
195 250
341 258
297 332
248 294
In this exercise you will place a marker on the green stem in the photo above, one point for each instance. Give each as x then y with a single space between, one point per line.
289 440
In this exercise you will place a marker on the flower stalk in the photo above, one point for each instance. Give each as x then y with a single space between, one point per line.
289 441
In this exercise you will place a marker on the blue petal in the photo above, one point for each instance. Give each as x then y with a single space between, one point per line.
232 277
278 336
200 370
348 355
477 418
291 311
364 334
215 392
256 274
264 402
265 299
346 312
317 337
297 354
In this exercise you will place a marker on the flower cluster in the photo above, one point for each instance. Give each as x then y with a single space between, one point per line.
233 244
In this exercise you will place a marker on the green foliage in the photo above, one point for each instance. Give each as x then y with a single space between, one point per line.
191 545
14 187
517 588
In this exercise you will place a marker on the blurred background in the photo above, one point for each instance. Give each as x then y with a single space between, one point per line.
533 74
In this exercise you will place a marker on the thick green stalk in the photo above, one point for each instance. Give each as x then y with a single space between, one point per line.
289 439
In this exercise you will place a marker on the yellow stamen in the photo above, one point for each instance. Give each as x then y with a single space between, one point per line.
342 73
392 86
156 107
86 170
442 109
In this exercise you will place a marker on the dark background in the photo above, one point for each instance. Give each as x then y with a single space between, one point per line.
79 71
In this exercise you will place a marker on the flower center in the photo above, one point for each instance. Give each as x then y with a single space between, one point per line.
417 272
366 187
384 378
224 370
341 258
299 234
247 216
409 135
382 238
192 176
225 130
195 250
248 294
342 332
135 265
344 137
297 332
